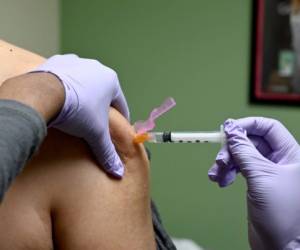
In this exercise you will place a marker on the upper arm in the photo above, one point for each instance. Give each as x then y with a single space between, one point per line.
89 209
63 195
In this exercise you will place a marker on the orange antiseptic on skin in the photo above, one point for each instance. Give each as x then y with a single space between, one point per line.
141 138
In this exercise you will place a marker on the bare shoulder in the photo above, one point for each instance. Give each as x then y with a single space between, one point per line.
16 61
64 199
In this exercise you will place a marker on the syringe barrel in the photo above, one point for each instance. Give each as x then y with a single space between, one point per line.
187 137
196 137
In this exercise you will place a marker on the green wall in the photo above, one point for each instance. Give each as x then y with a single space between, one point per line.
198 52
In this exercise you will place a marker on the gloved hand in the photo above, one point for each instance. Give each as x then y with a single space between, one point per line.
90 89
269 158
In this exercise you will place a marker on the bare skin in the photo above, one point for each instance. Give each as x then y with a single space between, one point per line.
63 200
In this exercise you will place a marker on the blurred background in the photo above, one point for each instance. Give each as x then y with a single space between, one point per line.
196 51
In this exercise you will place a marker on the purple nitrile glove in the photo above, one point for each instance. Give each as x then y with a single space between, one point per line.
90 89
270 162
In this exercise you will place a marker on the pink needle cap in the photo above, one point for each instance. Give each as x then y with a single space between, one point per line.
149 124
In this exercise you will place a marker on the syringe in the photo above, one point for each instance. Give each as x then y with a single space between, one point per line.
182 137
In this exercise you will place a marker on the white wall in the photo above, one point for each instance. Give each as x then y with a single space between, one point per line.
31 24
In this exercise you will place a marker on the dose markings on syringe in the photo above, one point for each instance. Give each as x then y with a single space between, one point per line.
195 137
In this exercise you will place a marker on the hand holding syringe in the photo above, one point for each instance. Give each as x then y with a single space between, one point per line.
143 128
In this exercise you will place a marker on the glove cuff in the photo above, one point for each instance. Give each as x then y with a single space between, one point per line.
293 245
